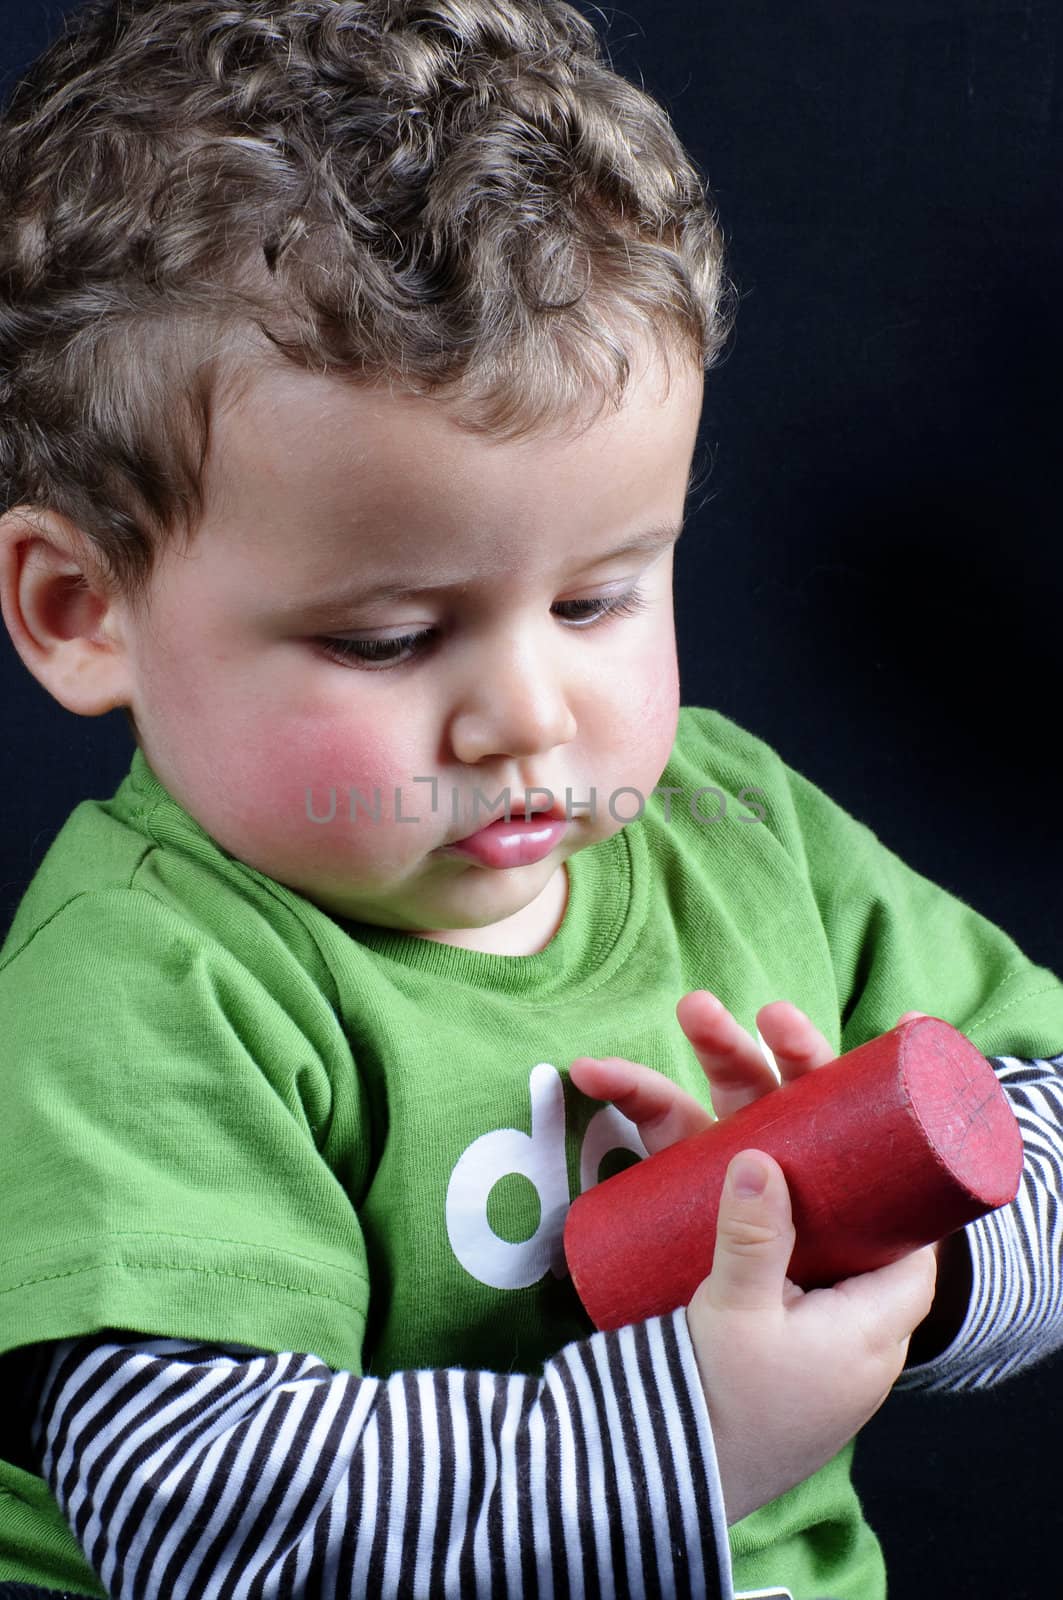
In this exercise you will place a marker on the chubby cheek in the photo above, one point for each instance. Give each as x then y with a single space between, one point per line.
281 799
337 805
645 710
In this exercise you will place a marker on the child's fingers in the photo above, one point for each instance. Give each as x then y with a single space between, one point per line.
661 1111
733 1063
794 1040
754 1236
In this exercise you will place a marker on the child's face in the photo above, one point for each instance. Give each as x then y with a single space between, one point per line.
318 496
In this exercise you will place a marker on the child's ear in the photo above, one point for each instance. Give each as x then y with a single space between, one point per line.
62 619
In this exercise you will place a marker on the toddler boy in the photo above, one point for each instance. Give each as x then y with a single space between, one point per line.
352 360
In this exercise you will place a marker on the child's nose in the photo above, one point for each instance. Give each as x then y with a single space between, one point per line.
513 707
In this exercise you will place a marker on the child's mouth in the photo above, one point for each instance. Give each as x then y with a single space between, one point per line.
517 843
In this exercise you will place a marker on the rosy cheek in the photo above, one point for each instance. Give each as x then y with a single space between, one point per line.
331 806
312 767
258 765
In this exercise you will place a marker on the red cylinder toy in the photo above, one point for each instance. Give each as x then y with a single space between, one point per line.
888 1148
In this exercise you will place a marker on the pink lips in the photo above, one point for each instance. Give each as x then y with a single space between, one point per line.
517 843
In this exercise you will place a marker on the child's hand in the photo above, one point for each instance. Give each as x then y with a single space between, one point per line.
730 1058
790 1377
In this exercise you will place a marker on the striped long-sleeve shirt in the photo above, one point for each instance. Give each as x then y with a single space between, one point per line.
228 1473
224 1472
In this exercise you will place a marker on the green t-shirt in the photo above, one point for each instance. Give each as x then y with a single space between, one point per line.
228 1117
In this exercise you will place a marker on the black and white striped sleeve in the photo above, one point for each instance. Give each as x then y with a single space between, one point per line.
1015 1314
224 1473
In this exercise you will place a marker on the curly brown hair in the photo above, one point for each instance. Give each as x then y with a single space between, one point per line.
454 197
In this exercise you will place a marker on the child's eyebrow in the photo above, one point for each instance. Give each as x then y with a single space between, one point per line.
341 604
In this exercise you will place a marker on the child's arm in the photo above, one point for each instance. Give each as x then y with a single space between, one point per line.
210 1467
196 1471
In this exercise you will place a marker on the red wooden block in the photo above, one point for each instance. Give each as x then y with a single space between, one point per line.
886 1149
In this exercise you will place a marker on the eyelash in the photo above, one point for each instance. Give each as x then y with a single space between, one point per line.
368 652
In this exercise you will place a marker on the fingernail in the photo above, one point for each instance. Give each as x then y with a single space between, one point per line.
749 1177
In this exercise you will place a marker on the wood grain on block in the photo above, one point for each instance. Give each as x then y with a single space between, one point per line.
890 1147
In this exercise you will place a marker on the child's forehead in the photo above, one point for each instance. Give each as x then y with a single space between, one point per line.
332 465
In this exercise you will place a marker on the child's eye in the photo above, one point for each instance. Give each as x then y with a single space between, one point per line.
582 612
373 653
380 653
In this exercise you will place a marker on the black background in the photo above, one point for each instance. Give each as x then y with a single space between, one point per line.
872 581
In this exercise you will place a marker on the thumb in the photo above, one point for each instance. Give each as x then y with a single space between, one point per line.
754 1235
